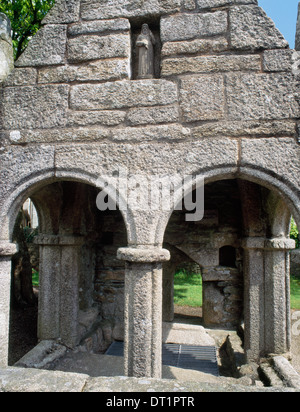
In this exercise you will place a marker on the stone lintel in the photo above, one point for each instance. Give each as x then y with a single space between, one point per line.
58 240
149 254
8 249
219 273
268 244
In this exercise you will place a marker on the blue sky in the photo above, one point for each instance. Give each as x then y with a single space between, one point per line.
284 14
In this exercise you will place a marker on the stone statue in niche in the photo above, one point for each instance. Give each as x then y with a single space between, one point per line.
145 52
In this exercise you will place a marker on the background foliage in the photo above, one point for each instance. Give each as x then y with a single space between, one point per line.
295 233
26 17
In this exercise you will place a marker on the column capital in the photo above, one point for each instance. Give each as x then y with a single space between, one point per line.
58 240
8 249
280 244
143 254
268 244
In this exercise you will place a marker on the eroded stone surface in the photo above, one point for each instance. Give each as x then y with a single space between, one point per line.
224 106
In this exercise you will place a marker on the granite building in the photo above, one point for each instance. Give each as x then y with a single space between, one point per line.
113 95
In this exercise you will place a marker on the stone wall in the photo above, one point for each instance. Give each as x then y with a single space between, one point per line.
211 68
224 107
223 297
201 242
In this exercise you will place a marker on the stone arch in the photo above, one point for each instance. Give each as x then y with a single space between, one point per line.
45 190
266 249
32 183
202 240
285 191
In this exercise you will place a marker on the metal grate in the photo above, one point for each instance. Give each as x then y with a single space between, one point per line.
199 358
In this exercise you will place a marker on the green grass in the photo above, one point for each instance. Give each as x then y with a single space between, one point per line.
295 292
187 289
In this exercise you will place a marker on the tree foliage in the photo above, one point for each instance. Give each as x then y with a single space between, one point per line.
295 233
26 17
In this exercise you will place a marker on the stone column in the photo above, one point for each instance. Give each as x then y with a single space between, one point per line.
266 306
143 310
254 302
59 291
7 250
277 299
6 49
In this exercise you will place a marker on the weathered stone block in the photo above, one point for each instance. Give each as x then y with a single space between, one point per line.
151 133
252 29
34 380
189 26
220 273
245 128
260 154
277 60
17 163
78 134
123 94
85 48
103 118
222 302
22 77
153 115
47 47
201 154
164 158
202 97
8 249
209 64
206 4
195 46
96 9
115 69
189 4
64 11
45 352
261 96
35 107
99 26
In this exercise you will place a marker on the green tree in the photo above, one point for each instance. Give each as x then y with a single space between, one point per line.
295 233
26 17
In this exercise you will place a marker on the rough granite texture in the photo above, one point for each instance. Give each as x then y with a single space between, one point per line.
223 105
33 380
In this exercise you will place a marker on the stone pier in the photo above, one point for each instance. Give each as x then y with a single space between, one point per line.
7 250
143 310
